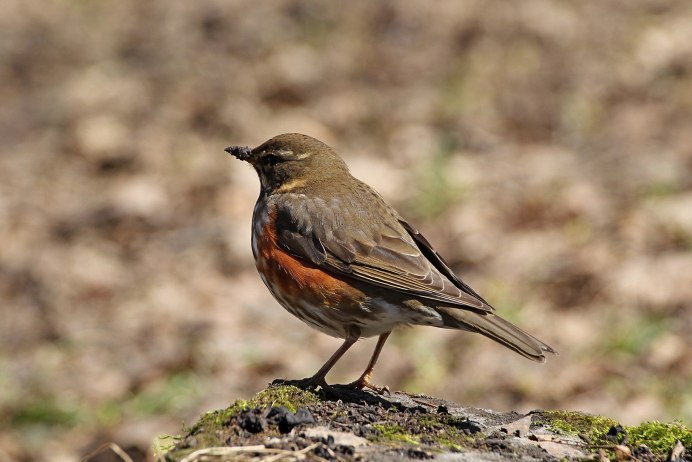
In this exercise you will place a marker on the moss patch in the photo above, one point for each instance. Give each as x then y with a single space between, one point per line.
447 431
660 437
431 429
593 427
657 436
283 395
393 433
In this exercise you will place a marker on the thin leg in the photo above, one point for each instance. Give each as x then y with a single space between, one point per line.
324 370
318 379
364 380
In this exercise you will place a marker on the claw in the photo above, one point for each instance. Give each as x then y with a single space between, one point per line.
364 382
378 390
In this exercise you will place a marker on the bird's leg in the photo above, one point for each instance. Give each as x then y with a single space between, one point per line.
364 380
318 380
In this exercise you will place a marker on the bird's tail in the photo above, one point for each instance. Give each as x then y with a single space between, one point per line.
498 329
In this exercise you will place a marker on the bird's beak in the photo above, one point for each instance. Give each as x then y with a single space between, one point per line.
239 152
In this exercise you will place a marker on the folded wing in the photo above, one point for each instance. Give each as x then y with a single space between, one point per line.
377 248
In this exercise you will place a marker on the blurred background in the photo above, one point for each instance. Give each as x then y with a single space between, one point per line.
545 149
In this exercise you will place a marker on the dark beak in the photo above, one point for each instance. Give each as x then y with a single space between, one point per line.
239 152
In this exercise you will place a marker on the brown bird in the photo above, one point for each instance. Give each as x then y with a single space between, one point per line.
341 259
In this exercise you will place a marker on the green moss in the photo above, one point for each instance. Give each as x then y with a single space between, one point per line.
394 433
449 437
435 430
283 395
595 427
660 437
431 421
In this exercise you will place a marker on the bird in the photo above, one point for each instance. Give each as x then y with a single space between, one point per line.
338 257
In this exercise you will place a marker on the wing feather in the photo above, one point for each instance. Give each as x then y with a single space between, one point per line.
384 250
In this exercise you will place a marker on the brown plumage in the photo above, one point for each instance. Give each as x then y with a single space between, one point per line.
341 259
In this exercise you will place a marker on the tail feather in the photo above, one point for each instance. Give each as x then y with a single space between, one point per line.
498 329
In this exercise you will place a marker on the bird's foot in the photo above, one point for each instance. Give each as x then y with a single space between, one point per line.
364 382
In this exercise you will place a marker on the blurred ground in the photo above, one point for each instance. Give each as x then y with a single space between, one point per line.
545 148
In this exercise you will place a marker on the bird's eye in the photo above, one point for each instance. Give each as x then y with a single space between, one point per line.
272 159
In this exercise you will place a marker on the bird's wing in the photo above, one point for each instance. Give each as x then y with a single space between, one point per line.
372 245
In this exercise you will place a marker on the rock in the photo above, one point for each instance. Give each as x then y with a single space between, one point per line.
252 421
561 450
287 420
622 452
337 437
677 453
302 416
519 427
345 425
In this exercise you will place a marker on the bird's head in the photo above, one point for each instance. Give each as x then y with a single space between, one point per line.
291 161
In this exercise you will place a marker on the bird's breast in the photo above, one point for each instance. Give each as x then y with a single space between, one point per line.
317 297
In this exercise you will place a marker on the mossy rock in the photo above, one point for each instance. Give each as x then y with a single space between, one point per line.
290 423
658 437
